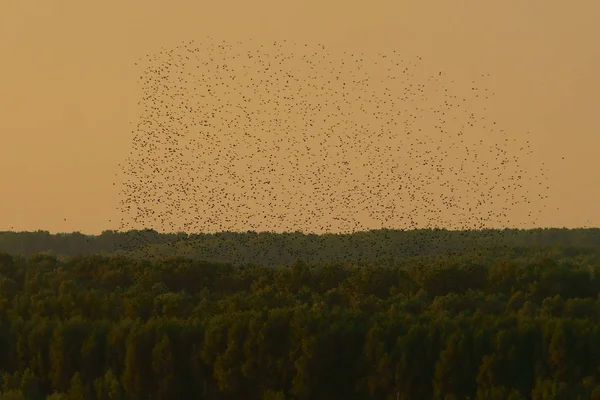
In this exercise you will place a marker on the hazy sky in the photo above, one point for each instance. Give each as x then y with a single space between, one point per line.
69 87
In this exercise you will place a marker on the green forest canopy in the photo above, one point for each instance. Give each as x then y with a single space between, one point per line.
523 323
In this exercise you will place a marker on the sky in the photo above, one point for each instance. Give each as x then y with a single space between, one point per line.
70 88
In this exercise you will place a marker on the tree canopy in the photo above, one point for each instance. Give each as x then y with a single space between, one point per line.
471 324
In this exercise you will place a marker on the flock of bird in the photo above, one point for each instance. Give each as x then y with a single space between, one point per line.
285 137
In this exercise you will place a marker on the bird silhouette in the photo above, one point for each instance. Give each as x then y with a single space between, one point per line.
286 137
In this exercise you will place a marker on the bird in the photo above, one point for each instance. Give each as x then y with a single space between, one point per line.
296 137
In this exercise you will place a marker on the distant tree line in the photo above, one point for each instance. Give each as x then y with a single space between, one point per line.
266 248
475 326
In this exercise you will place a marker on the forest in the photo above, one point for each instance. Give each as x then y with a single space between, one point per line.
430 314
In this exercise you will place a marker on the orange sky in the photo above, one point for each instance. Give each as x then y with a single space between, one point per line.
69 87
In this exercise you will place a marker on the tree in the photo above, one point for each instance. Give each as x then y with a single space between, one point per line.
138 379
76 389
13 395
108 387
454 370
273 395
57 396
30 386
164 369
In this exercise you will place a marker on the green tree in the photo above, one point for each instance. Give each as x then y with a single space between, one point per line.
57 396
76 389
164 369
30 386
13 395
137 376
108 387
273 395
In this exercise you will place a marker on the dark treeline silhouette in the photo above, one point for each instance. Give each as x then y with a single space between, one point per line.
475 324
266 248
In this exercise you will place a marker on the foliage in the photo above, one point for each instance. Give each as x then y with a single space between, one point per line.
521 325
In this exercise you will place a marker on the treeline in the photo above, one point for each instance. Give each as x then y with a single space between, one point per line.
99 327
265 248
